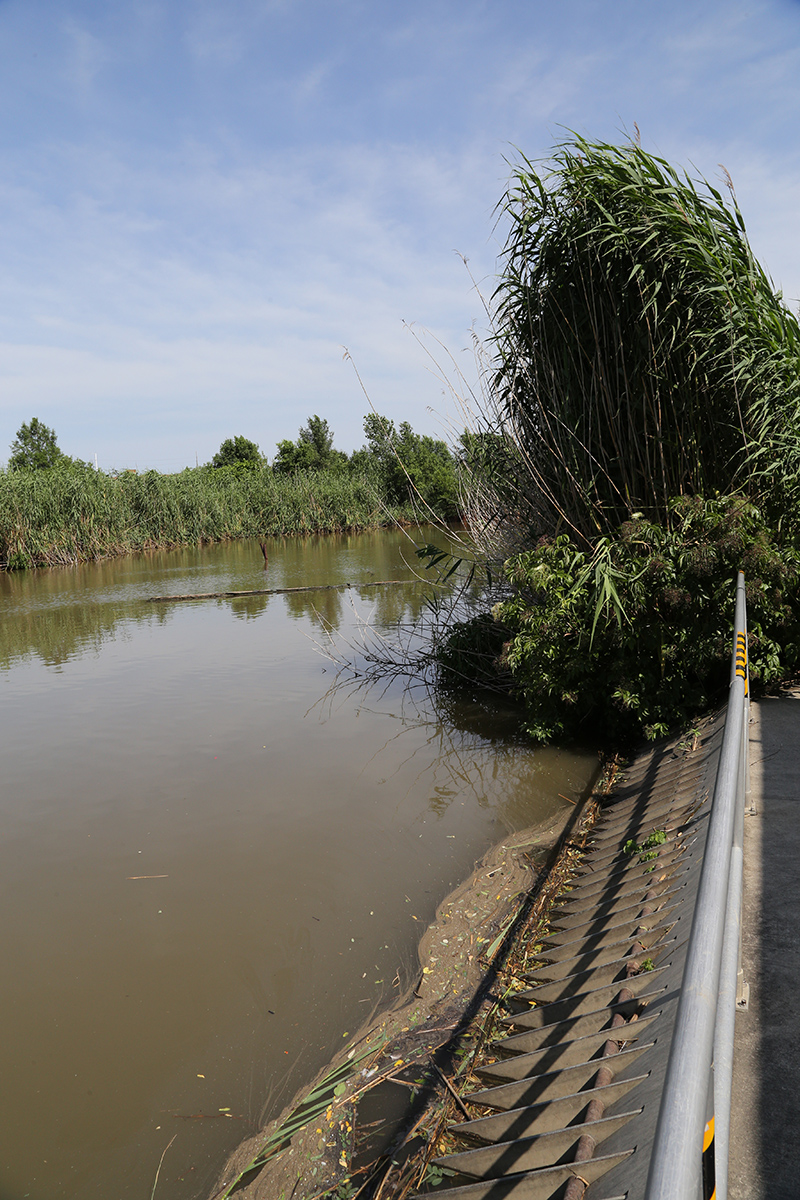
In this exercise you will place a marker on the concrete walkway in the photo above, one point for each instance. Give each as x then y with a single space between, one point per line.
765 1146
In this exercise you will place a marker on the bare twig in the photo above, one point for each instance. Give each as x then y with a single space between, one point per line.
160 1164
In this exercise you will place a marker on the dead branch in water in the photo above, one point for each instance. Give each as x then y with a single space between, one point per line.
311 587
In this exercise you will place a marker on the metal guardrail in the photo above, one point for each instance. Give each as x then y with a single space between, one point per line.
690 1153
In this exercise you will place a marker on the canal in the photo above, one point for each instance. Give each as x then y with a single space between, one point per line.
216 855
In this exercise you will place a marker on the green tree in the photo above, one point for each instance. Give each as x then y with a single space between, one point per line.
317 434
237 451
35 447
411 467
313 450
293 457
380 434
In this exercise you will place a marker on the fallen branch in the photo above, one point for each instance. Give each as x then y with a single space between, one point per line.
312 587
459 1102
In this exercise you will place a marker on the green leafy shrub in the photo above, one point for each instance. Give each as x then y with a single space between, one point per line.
635 636
646 849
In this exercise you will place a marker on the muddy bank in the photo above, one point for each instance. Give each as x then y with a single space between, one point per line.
387 1078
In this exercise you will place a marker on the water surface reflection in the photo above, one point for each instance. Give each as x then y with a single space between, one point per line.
212 863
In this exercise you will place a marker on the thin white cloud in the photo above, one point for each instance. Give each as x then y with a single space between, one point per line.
85 57
254 185
131 315
216 36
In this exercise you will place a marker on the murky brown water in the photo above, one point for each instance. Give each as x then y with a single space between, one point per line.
294 842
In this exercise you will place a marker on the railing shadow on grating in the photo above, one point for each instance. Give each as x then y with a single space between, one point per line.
618 1074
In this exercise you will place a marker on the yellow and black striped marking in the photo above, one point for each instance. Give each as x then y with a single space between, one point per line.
741 658
709 1172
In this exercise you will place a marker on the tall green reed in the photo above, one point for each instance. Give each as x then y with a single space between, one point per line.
56 516
642 353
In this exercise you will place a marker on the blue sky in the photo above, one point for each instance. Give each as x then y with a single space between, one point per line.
203 202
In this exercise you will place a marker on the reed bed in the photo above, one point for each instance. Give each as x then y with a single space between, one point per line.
57 517
641 351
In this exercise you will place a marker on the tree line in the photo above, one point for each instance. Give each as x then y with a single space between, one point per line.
403 466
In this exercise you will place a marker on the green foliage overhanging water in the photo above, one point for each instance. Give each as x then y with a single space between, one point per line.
638 443
636 636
